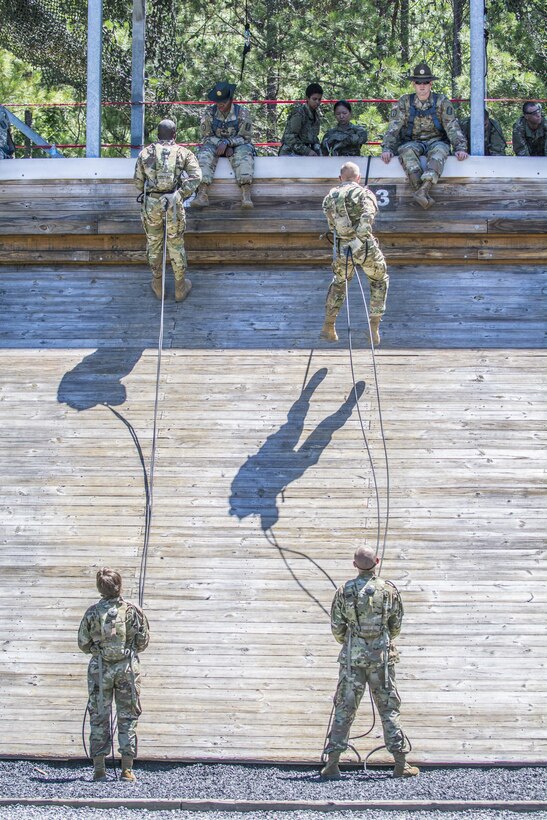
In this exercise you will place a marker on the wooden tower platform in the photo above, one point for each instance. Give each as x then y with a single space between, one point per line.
263 490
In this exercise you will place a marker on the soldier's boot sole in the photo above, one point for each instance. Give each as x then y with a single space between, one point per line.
375 330
328 332
155 284
182 289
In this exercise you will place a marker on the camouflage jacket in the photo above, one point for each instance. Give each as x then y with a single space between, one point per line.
184 171
113 628
301 132
235 128
350 210
369 610
344 140
494 141
424 128
528 143
7 147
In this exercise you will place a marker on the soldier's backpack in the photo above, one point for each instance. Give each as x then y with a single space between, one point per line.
367 607
165 168
113 630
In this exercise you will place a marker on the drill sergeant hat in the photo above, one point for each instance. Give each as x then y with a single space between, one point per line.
422 72
221 92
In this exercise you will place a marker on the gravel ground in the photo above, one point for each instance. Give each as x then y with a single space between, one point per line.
25 778
24 813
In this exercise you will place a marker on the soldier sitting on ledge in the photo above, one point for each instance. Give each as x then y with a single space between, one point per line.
226 131
345 139
423 124
530 132
494 141
301 134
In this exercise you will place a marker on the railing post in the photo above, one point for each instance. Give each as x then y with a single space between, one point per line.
94 77
137 76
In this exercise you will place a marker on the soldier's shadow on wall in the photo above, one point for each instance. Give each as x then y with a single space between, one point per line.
97 378
265 476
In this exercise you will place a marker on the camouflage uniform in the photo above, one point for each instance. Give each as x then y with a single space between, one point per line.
528 143
429 138
494 141
166 167
301 134
236 129
350 210
344 141
113 631
366 615
7 147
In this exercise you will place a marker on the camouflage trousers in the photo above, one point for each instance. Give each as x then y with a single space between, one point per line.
371 259
242 162
121 681
152 220
435 150
348 697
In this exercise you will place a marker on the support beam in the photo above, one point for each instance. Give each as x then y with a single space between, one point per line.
33 135
137 76
478 72
94 77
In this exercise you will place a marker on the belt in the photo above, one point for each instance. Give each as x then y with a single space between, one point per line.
159 194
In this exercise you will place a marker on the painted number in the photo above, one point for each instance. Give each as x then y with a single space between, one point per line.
383 197
386 197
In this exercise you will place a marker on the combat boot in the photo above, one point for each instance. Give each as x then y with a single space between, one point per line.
156 285
182 289
99 770
246 201
422 195
415 179
402 768
127 769
331 770
375 329
202 197
328 331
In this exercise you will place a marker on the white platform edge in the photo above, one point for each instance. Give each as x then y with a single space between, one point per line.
326 168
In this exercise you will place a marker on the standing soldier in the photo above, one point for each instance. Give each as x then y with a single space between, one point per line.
301 134
345 139
423 124
350 209
366 616
530 132
494 141
166 173
112 631
7 146
226 131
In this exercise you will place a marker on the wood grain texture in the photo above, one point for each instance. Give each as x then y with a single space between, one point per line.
241 662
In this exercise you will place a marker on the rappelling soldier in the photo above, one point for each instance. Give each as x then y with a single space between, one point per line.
166 174
423 124
226 131
345 138
366 616
301 134
350 209
530 132
7 146
494 141
113 631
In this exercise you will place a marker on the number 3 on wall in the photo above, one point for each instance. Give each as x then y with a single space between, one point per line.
385 196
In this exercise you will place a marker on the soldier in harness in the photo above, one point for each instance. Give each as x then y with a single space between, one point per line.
226 131
423 124
113 631
366 616
166 174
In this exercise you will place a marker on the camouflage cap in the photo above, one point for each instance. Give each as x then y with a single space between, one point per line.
365 558
221 92
422 72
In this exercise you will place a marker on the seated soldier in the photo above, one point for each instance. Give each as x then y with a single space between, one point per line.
423 124
530 132
345 139
494 141
226 131
301 135
7 146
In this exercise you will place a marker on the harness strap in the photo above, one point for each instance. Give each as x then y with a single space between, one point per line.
218 123
428 112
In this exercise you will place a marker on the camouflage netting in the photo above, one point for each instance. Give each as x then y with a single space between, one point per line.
52 36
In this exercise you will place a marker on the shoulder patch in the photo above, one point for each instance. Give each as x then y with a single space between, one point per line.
449 110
